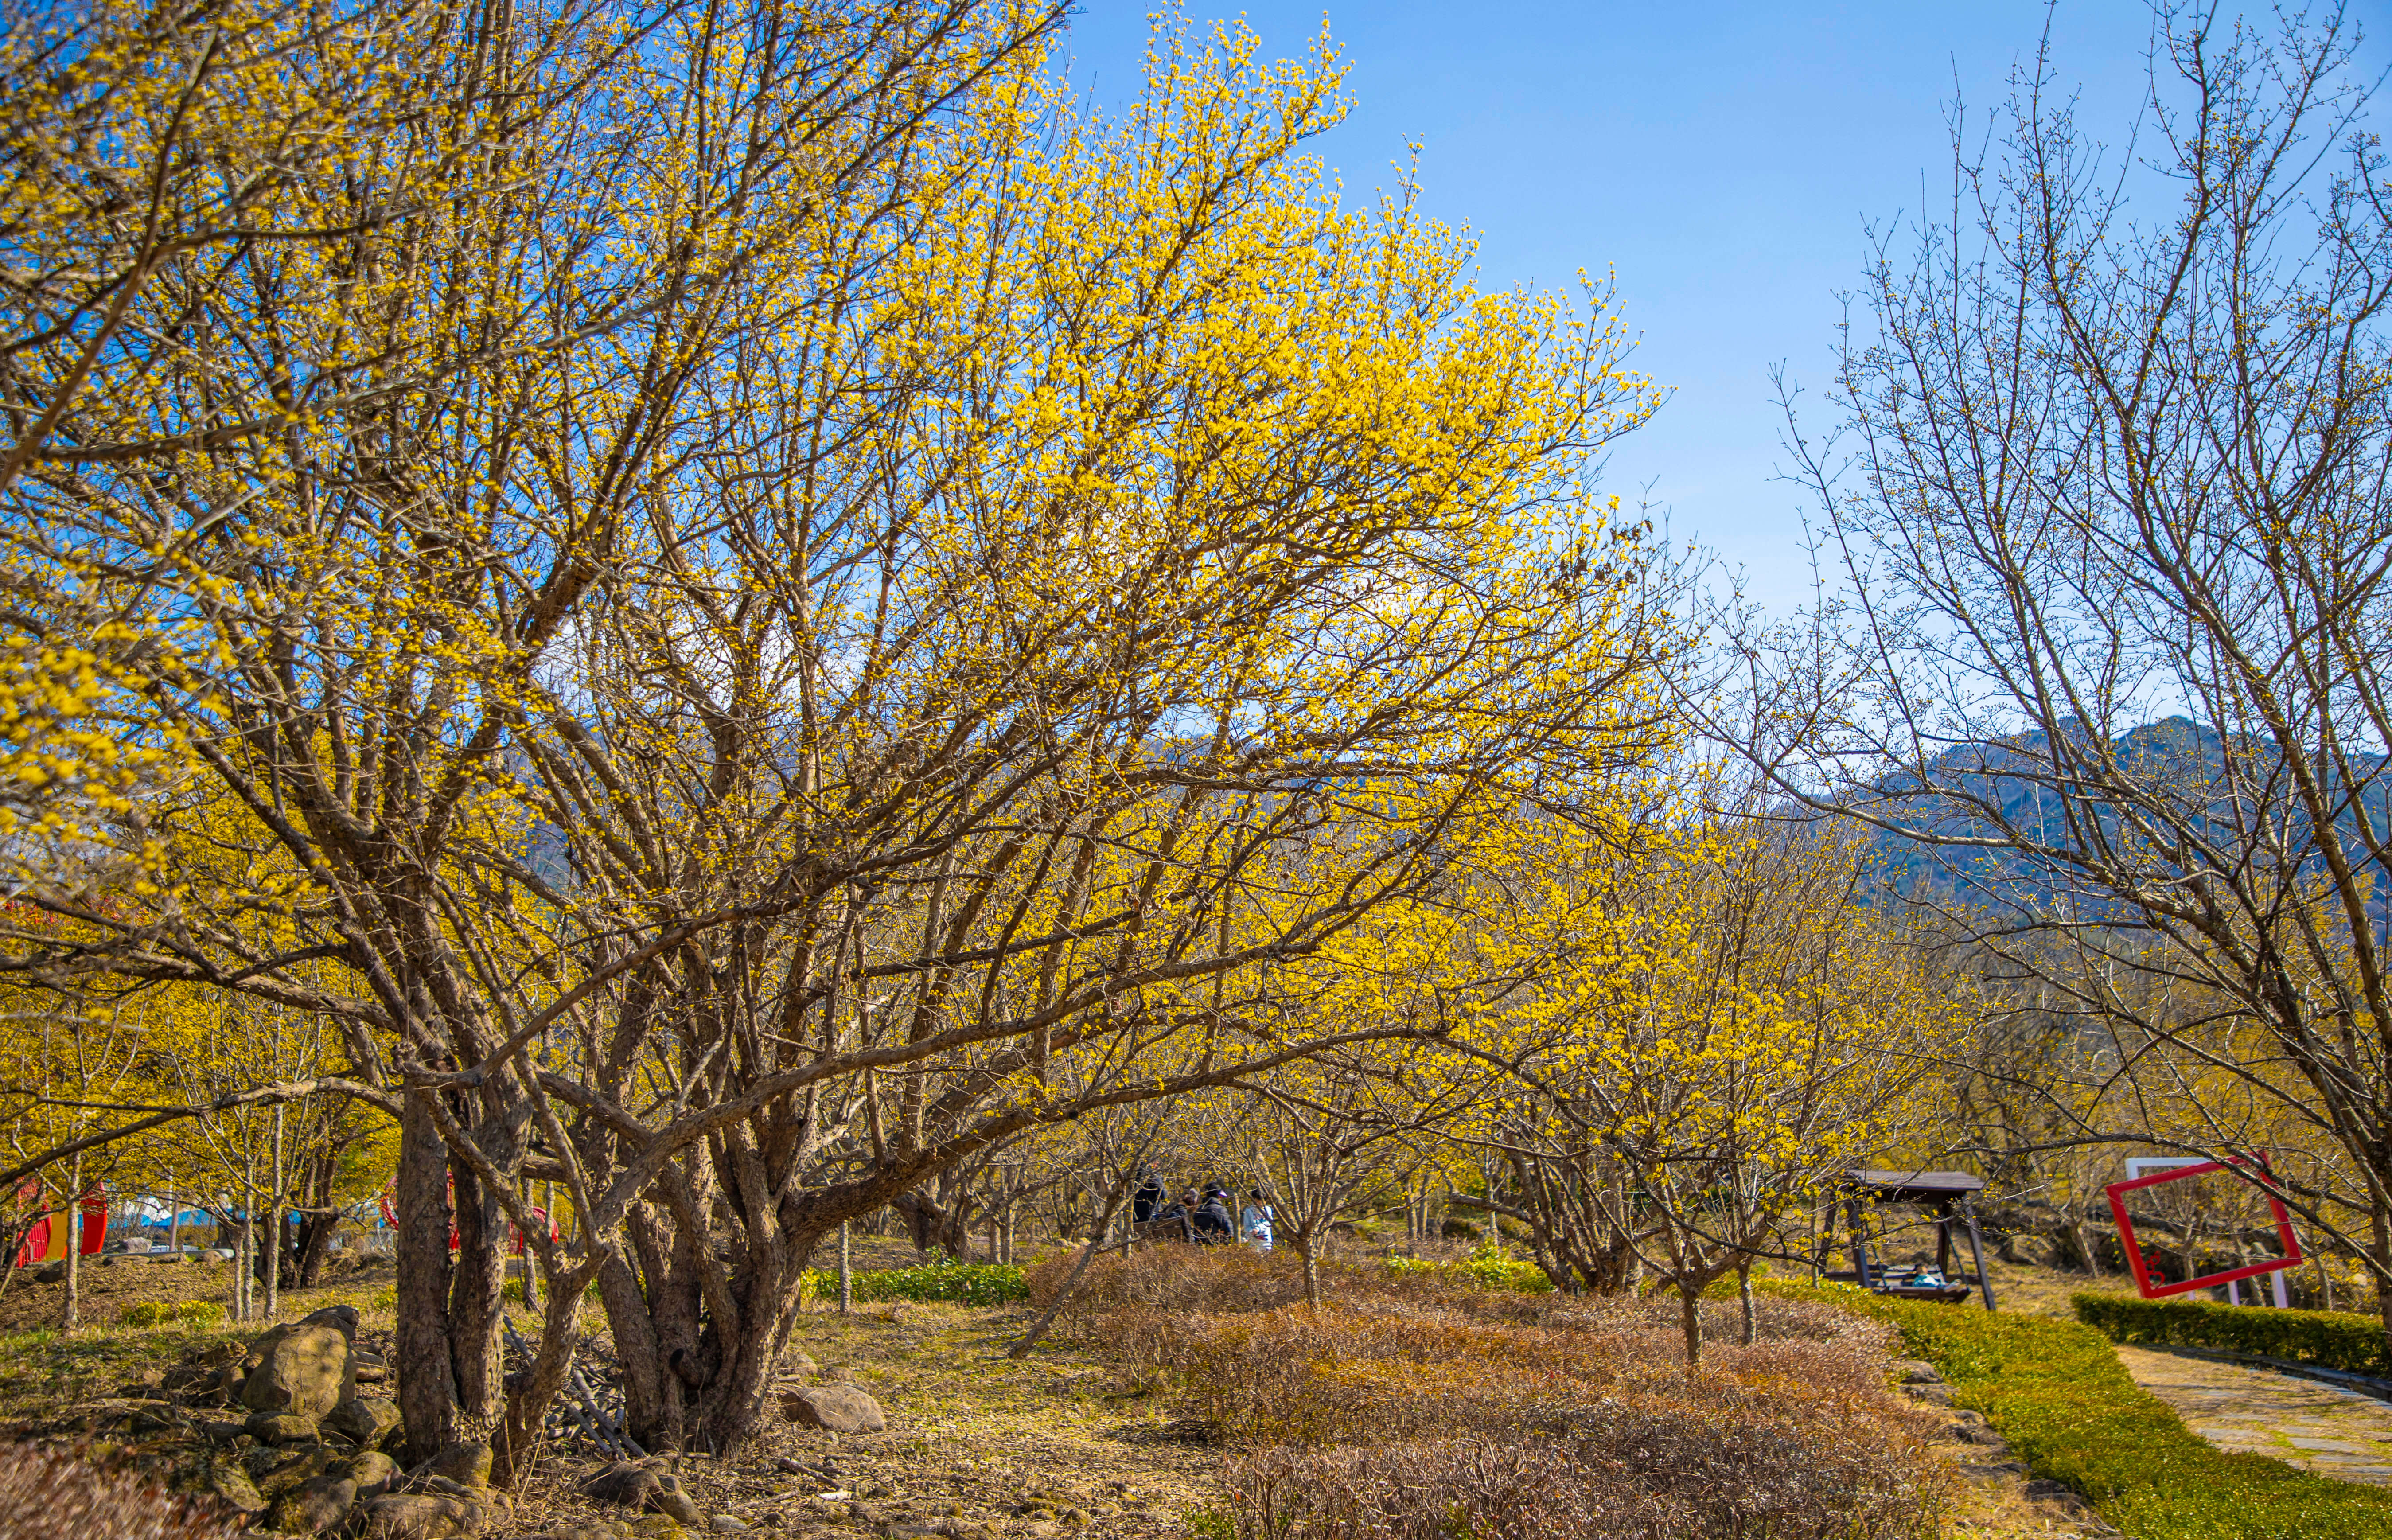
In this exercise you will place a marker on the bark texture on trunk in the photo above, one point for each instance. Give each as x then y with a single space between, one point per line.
477 1298
698 1342
71 1307
427 1399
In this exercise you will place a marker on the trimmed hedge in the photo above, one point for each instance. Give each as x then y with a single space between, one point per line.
2057 1394
2332 1339
962 1282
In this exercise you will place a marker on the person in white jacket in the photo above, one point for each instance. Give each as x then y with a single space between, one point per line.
1255 1224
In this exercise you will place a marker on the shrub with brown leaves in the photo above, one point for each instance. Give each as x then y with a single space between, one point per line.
52 1492
1170 1277
1652 1474
1403 1409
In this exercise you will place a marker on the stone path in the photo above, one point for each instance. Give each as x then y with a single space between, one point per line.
2322 1428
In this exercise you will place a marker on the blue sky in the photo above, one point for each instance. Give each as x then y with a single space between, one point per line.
1724 159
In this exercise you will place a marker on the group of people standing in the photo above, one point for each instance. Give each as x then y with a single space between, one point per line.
1205 1220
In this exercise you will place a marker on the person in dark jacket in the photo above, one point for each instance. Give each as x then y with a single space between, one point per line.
1147 1201
1212 1217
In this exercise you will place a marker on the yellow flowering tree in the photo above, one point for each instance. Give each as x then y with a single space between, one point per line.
1723 1027
919 606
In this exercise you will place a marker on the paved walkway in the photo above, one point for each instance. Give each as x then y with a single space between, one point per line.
2322 1428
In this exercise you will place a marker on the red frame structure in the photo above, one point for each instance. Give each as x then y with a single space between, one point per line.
2117 1191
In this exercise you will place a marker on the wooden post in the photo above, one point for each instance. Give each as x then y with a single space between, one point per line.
1977 1249
1860 1242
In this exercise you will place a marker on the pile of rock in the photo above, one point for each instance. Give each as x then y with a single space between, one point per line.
1989 1457
279 1429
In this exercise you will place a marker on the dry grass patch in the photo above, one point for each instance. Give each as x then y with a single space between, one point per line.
1408 1409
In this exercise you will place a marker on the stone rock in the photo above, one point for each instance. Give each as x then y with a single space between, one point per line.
2055 1492
836 1408
675 1503
230 1482
424 1516
468 1465
652 1526
259 1458
290 1475
1994 1471
441 1486
51 1272
621 1482
374 1472
363 1420
641 1486
280 1427
341 1318
797 1362
298 1368
1917 1371
724 1524
1933 1395
316 1507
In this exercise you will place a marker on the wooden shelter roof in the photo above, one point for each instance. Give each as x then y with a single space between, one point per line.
1917 1186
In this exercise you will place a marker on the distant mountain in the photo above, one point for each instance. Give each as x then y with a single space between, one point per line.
2174 765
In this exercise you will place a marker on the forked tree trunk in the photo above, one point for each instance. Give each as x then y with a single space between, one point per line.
698 1350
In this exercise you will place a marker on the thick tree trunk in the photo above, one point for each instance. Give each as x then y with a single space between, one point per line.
2383 1276
427 1400
1751 1304
1309 1254
307 1255
945 1228
698 1364
519 1432
1690 1323
477 1298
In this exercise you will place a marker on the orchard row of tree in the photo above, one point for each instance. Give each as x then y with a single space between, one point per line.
750 615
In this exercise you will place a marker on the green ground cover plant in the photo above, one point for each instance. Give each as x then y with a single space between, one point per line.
1485 1268
2057 1391
2332 1339
959 1282
162 1312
